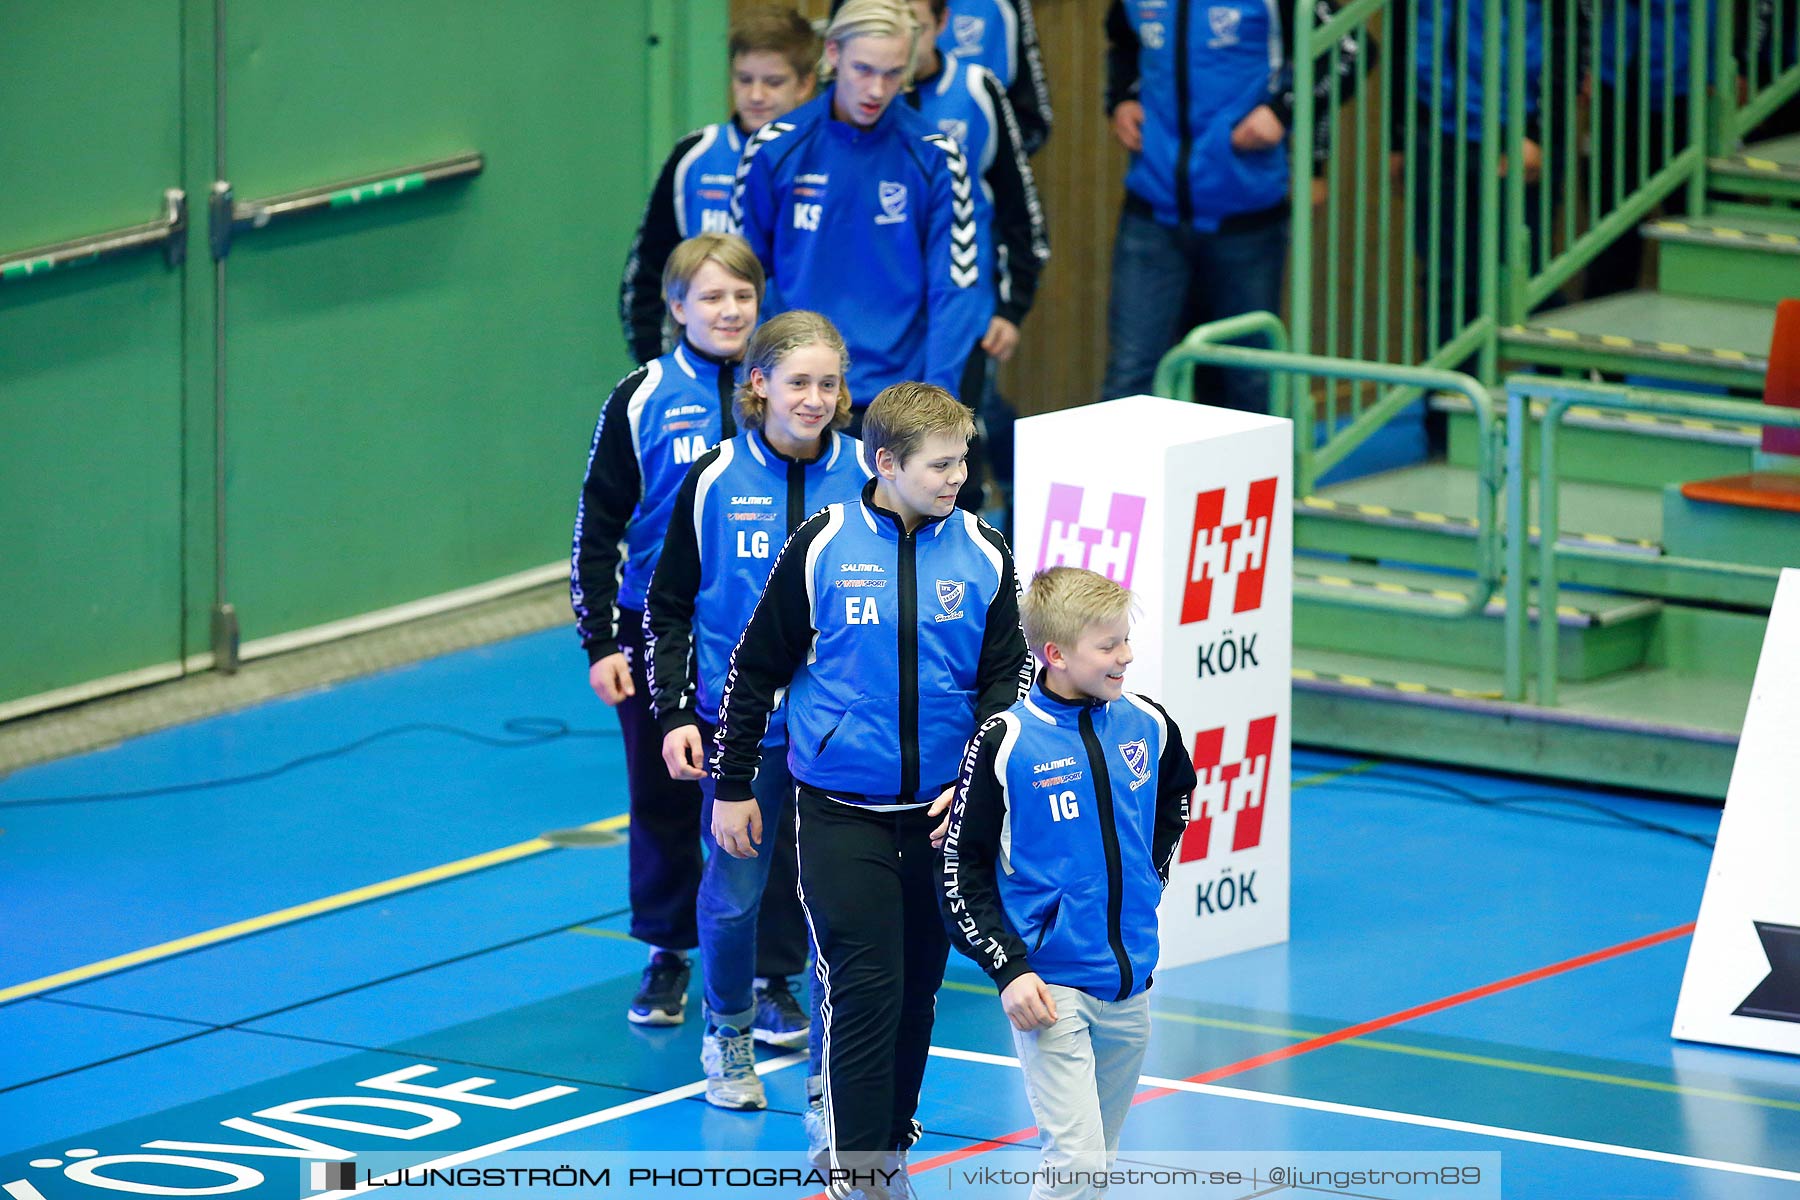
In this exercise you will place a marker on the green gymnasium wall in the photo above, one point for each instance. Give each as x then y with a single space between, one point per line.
405 389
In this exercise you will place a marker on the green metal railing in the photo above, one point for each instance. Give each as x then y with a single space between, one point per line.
1390 265
1559 396
1618 81
1769 71
1423 254
1210 345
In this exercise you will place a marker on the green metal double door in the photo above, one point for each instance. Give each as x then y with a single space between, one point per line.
345 412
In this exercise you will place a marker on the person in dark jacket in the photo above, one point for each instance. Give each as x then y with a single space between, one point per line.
1201 94
773 54
738 505
658 420
892 624
1080 783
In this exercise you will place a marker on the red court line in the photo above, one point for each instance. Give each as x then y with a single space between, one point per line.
1342 1035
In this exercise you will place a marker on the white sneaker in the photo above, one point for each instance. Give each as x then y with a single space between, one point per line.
818 1135
729 1060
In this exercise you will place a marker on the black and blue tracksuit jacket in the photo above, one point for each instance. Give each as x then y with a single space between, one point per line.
1199 67
692 196
657 422
875 228
893 646
735 510
966 101
1066 818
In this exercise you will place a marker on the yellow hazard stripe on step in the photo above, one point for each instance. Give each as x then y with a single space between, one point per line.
1724 233
1404 687
1381 585
1325 504
1614 341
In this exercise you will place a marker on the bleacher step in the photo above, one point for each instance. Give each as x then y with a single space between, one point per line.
1694 338
1655 727
1702 528
1628 449
1735 257
1770 168
1598 633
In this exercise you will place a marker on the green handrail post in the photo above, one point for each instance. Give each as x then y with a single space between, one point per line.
1723 134
1300 143
1518 245
1518 534
1697 132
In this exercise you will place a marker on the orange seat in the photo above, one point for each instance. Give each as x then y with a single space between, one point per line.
1761 489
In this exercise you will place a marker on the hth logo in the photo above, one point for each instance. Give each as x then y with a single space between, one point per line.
1235 789
1218 551
1110 549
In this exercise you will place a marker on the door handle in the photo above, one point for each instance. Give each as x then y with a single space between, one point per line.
231 216
169 232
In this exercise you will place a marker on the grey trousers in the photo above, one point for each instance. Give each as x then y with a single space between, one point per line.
1080 1075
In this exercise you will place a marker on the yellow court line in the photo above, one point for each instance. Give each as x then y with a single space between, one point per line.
1473 1060
297 912
1483 1060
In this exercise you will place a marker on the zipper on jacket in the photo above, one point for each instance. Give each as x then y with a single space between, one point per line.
1184 142
1049 920
727 385
1109 839
908 583
796 496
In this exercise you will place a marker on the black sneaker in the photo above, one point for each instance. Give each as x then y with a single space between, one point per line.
780 1021
662 996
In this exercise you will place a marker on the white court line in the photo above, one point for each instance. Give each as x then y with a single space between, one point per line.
1382 1114
585 1121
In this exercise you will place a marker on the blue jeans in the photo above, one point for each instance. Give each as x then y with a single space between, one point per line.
1166 279
731 890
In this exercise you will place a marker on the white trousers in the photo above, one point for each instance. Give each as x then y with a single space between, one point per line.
1080 1075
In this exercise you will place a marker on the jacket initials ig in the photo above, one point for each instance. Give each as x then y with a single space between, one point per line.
1066 819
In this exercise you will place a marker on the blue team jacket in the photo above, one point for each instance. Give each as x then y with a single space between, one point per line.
892 647
734 511
1066 818
955 103
1227 57
874 228
657 422
1438 92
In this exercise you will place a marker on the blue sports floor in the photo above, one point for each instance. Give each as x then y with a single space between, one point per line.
206 991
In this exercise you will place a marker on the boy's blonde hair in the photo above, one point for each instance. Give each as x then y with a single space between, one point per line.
873 18
772 342
777 31
1064 601
903 415
727 249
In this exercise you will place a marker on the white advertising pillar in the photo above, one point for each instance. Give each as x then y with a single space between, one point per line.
1742 985
1191 508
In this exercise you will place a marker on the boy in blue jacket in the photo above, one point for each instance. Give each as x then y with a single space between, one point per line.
772 52
891 621
1078 782
738 505
851 197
